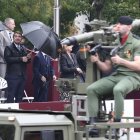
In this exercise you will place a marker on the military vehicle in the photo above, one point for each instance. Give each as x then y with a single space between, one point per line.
43 125
37 125
64 120
100 38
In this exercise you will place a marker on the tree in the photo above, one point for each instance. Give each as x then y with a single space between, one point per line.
99 4
68 12
42 10
25 10
114 9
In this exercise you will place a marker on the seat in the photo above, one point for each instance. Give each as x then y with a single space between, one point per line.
27 98
3 83
3 99
102 114
3 86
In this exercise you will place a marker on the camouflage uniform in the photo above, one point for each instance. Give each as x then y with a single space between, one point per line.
118 84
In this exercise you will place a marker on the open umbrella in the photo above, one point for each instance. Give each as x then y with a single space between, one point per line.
41 36
2 26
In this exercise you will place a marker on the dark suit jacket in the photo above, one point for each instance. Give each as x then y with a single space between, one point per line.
15 65
68 66
42 67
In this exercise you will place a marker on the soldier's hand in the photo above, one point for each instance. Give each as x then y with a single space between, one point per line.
94 58
116 59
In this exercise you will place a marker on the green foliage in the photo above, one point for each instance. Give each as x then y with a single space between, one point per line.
113 10
27 10
68 13
136 30
43 10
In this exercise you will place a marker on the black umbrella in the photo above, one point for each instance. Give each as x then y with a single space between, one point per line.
41 36
2 26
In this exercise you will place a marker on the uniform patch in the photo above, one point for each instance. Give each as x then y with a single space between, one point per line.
128 53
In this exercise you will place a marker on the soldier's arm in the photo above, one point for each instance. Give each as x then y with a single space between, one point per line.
133 65
105 66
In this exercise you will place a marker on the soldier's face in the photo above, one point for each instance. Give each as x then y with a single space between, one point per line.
123 29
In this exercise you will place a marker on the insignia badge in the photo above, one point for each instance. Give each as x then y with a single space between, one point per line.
128 53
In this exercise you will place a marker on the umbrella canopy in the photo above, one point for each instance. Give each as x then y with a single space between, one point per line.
41 36
2 26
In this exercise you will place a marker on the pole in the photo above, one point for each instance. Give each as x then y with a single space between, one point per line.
56 17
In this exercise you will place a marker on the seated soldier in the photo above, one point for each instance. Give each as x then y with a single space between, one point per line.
126 77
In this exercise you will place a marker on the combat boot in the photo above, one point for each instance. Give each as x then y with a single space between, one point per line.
115 133
93 132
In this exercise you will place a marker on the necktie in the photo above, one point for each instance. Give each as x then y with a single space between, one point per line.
10 36
45 57
18 47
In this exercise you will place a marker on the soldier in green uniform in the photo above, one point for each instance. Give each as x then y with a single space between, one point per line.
125 79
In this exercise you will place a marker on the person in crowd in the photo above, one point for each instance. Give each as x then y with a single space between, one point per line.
82 55
16 58
68 63
126 76
69 68
6 38
43 73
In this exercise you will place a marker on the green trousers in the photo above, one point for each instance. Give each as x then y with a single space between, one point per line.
118 86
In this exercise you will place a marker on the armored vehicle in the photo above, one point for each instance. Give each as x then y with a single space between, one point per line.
36 125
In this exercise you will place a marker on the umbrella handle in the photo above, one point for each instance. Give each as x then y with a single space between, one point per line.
32 51
29 50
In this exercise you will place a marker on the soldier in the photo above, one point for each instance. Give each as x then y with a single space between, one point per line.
125 79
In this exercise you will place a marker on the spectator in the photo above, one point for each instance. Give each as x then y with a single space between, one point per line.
69 69
43 73
82 57
16 58
68 64
6 38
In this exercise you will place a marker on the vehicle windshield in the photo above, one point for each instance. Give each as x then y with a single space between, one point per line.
44 135
7 132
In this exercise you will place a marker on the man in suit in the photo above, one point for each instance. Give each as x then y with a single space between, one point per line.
43 73
6 38
16 58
